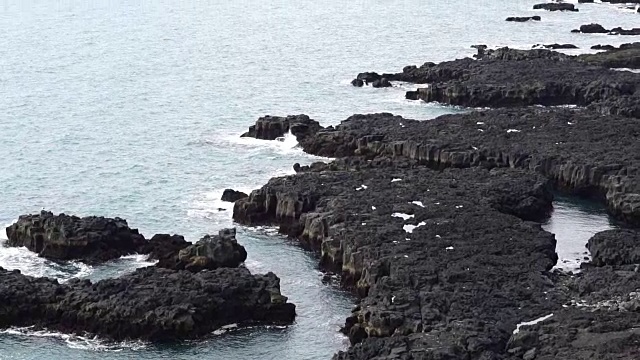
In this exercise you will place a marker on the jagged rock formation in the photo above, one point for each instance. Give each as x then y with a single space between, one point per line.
626 56
151 303
423 221
615 247
579 151
515 78
90 239
210 252
273 127
231 195
162 247
420 243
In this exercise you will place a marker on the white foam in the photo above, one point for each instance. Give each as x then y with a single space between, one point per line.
449 248
225 329
361 187
29 263
532 322
76 341
402 216
409 228
637 71
287 144
395 180
419 203
373 207
513 130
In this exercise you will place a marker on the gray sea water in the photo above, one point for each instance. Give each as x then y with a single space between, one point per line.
133 108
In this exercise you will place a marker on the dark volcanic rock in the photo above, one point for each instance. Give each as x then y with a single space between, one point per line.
273 127
577 334
624 105
558 143
515 78
615 247
523 19
357 83
593 29
382 82
210 252
163 247
603 47
151 303
424 220
90 239
557 46
434 271
231 195
621 31
555 7
626 56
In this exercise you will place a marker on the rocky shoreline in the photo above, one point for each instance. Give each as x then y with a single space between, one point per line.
193 290
433 223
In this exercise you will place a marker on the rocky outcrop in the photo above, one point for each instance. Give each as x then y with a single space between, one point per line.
615 247
151 304
210 252
231 195
428 222
558 143
371 78
556 46
422 247
273 127
557 6
164 247
578 334
621 31
516 78
523 18
603 47
593 29
90 239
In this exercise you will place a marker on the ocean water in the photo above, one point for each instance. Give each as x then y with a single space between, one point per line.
133 108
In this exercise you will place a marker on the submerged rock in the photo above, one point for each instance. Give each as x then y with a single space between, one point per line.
151 304
523 19
231 195
90 239
615 247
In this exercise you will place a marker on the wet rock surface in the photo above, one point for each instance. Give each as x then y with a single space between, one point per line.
150 304
231 195
89 239
273 127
